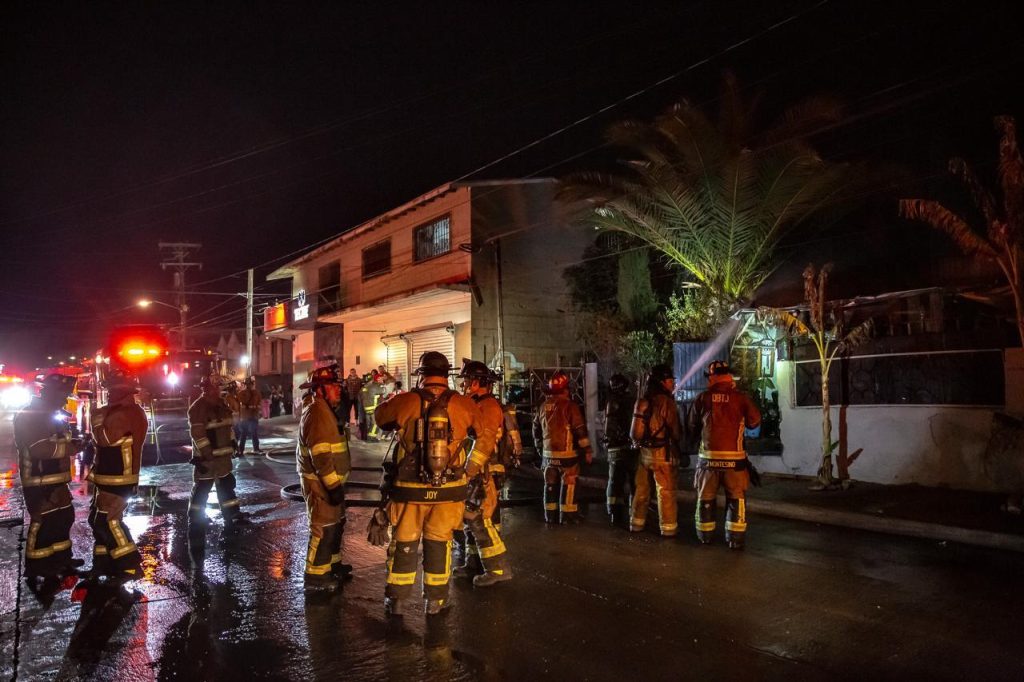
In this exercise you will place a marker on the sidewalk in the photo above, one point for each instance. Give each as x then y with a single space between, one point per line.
966 517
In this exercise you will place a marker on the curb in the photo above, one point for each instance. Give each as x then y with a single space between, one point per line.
845 519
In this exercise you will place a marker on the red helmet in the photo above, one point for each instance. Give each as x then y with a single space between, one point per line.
559 382
321 376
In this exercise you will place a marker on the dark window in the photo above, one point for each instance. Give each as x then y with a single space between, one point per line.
273 355
958 378
377 259
329 288
432 239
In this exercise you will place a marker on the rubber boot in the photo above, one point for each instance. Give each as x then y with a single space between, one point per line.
470 569
319 584
434 607
492 578
393 607
340 571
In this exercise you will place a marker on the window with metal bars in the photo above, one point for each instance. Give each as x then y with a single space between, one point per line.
432 239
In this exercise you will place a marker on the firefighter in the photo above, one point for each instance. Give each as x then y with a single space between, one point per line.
656 430
721 414
45 447
485 559
119 429
209 420
426 483
622 456
324 464
507 455
560 426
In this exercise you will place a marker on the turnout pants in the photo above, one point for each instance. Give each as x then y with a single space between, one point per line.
326 528
114 551
213 472
707 480
621 464
51 515
560 476
482 537
655 463
434 523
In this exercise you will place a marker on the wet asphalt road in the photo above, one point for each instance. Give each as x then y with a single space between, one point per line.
587 602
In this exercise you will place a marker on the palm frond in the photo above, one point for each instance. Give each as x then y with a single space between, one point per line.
857 336
982 197
789 323
941 218
1011 177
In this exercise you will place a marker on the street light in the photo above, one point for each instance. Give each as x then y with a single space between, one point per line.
146 302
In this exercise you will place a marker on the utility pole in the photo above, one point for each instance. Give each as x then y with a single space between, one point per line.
177 261
248 326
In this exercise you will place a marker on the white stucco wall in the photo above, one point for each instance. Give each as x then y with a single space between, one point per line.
928 445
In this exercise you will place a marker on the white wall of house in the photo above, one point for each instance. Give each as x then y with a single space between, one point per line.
927 445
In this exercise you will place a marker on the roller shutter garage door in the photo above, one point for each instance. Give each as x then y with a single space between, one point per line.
398 356
438 339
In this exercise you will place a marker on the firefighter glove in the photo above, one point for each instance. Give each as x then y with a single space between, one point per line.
377 530
197 462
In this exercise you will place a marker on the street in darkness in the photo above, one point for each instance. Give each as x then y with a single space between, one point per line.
588 602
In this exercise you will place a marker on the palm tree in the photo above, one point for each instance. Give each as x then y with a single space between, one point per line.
830 340
1003 237
715 197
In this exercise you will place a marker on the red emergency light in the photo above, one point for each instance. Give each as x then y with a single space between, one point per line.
139 346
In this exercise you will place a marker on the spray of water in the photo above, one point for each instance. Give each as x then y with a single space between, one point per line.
727 331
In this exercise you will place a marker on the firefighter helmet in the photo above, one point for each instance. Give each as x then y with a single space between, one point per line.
618 383
57 383
718 368
558 382
660 372
119 379
321 376
474 369
433 364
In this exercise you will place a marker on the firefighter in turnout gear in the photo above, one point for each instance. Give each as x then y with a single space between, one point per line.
119 429
622 456
721 414
209 421
427 481
45 446
484 550
559 425
324 464
656 430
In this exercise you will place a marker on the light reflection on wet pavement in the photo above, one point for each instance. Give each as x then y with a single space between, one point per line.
587 602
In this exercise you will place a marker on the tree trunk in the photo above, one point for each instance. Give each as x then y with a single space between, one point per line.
825 471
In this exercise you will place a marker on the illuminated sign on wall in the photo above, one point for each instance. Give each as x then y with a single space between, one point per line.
301 309
275 317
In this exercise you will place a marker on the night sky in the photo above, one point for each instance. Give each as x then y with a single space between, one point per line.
258 129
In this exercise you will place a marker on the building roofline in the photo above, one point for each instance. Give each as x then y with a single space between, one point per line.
288 269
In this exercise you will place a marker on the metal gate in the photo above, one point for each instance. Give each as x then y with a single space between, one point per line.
440 339
398 358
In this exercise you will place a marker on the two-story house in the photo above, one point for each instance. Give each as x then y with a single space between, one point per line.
470 269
